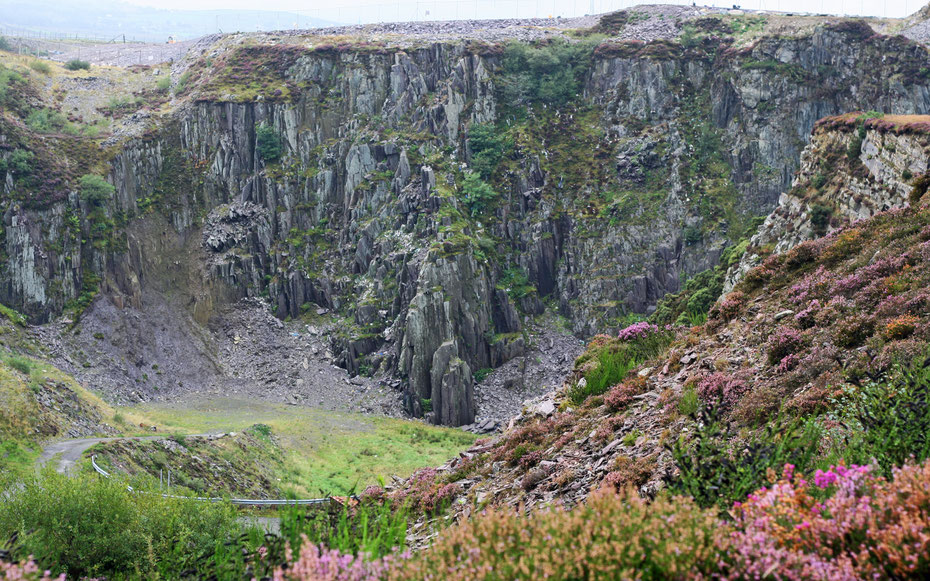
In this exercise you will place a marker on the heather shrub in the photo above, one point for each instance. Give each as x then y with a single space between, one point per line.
620 396
900 327
716 467
852 331
721 390
865 528
26 570
729 307
628 473
783 342
609 537
316 563
801 254
758 276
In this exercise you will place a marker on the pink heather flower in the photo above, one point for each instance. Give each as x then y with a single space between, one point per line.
638 330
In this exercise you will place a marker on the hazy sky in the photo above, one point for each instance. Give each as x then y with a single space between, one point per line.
392 10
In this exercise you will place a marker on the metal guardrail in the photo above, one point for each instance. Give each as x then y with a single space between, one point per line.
236 501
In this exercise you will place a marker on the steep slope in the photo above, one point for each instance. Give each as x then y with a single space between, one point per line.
803 336
335 173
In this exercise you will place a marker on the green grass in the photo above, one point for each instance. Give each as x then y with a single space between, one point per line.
327 452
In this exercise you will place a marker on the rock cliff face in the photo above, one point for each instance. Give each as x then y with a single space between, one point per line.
855 166
602 205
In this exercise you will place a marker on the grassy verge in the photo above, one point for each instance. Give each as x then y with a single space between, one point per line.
326 452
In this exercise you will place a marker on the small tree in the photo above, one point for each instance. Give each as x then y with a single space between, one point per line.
268 143
95 190
478 194
5 44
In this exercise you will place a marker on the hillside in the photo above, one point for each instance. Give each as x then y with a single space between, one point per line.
670 263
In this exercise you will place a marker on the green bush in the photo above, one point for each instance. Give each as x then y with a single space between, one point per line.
889 419
615 359
716 468
46 121
163 84
76 65
20 364
268 143
90 526
689 403
488 148
19 163
95 190
549 73
478 194
182 83
40 67
820 217
5 44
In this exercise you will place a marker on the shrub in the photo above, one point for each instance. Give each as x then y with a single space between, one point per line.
820 217
722 390
5 44
26 570
718 469
900 327
729 307
163 84
19 163
40 67
488 147
20 364
95 190
853 331
866 528
88 526
783 342
268 143
608 361
478 194
890 419
689 403
548 73
76 65
46 121
918 188
609 537
315 563
622 395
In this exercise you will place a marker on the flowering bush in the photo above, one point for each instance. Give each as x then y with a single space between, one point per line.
320 564
784 342
611 536
26 571
622 395
807 318
639 330
729 307
867 527
424 492
900 327
721 388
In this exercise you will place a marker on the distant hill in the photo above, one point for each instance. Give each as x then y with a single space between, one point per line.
112 19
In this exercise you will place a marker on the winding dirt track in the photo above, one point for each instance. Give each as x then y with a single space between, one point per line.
70 451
